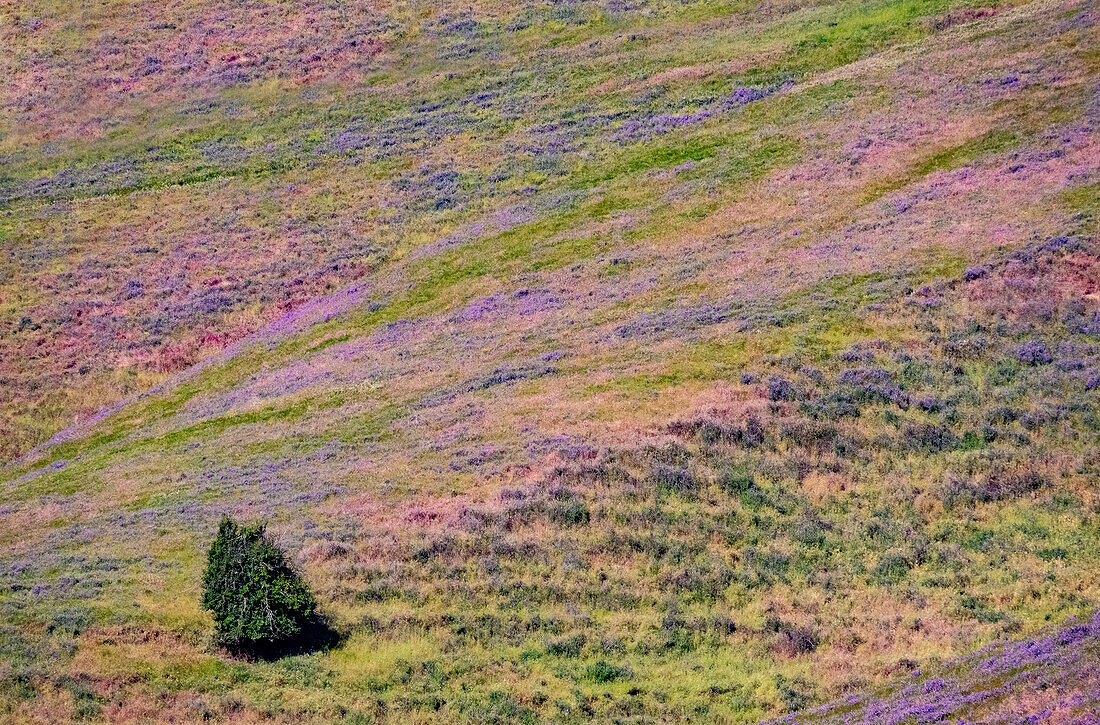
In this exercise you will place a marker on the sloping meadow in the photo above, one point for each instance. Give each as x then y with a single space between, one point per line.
178 177
766 377
825 522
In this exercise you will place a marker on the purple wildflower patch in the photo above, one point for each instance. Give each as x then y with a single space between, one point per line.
1033 352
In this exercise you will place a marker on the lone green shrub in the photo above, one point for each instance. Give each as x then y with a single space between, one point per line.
258 602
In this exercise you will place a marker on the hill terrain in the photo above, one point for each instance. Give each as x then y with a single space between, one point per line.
615 360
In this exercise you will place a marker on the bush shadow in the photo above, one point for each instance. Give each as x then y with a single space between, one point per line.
317 634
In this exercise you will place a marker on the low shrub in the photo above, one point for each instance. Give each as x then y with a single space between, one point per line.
892 567
259 604
735 481
928 437
674 479
607 672
568 647
793 639
570 513
781 389
1033 352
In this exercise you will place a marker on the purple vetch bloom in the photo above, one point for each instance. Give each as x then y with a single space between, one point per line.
779 388
477 309
929 404
531 302
647 126
864 376
671 121
675 321
744 95
998 678
856 354
511 216
1033 352
639 129
973 273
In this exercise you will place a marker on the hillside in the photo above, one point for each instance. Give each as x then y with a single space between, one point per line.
1050 678
614 361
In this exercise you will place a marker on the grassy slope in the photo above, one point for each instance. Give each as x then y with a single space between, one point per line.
651 398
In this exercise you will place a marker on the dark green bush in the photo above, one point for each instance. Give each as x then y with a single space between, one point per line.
736 480
607 672
928 437
674 479
258 602
568 647
86 703
977 609
570 513
892 567
796 693
795 640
